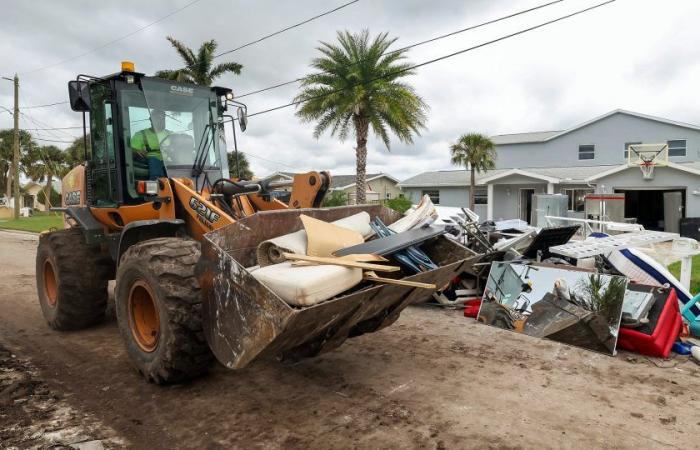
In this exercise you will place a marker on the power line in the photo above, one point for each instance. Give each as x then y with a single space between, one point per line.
192 65
40 124
271 161
44 106
114 40
431 61
318 16
51 140
53 128
226 52
402 49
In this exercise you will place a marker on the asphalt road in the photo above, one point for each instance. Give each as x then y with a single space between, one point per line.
432 380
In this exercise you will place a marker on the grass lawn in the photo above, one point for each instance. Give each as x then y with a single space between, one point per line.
37 223
675 269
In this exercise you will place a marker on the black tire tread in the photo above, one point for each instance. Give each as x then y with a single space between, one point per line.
171 261
82 274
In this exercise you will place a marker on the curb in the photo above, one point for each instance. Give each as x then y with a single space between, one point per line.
20 232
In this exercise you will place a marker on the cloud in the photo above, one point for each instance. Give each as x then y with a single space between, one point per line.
631 54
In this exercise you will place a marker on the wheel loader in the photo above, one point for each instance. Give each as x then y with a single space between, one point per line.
153 208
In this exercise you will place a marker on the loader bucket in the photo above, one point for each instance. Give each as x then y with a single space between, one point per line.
244 320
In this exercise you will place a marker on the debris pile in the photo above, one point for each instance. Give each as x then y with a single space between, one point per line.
300 282
600 293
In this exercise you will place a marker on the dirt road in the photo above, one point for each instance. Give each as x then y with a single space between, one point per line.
432 380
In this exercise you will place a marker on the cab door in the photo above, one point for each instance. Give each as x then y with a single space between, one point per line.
104 175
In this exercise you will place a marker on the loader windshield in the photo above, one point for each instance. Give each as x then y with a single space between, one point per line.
166 125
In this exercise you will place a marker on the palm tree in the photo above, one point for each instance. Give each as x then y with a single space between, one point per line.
7 140
357 86
242 164
45 163
476 153
198 68
75 153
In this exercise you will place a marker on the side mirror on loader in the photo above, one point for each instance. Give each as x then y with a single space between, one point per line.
242 118
79 95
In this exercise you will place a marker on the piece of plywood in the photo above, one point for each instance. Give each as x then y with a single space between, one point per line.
341 262
323 238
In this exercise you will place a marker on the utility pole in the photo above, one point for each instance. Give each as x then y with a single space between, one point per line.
15 162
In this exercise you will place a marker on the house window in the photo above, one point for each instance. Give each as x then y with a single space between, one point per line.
586 151
627 147
577 198
676 147
434 196
480 196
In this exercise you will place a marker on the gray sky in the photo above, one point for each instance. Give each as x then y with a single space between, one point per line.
640 55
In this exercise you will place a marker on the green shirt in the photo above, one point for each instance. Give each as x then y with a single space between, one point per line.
150 141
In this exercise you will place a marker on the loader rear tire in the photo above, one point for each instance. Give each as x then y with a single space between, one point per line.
158 306
71 280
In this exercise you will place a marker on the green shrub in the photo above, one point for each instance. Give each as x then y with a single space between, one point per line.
400 204
55 198
336 198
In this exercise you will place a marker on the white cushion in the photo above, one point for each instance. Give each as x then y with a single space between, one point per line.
307 285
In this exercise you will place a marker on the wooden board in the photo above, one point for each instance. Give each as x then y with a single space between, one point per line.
370 276
341 262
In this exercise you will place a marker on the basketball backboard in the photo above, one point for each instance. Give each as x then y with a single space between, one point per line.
647 157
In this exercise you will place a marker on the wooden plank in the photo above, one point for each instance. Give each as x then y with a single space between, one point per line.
364 257
341 262
359 258
373 277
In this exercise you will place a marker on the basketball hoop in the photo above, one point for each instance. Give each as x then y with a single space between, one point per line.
647 168
647 157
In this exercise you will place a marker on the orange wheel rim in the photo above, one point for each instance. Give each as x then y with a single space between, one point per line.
143 316
50 284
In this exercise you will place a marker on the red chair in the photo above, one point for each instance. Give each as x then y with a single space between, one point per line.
657 337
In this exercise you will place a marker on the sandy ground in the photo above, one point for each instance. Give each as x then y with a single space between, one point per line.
432 380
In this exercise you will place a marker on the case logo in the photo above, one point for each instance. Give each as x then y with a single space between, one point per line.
204 214
71 198
181 90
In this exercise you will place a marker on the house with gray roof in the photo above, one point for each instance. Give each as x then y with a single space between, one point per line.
380 186
591 157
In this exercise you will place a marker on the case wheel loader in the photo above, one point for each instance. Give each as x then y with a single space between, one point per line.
153 208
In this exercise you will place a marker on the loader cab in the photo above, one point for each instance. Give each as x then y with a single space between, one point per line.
186 120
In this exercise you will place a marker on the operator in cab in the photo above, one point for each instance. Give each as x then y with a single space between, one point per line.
148 142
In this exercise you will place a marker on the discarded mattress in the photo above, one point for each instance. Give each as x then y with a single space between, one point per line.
307 285
643 269
271 251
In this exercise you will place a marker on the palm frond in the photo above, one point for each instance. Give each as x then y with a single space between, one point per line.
198 68
185 52
224 68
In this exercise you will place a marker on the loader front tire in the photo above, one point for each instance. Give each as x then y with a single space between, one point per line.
71 280
159 306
